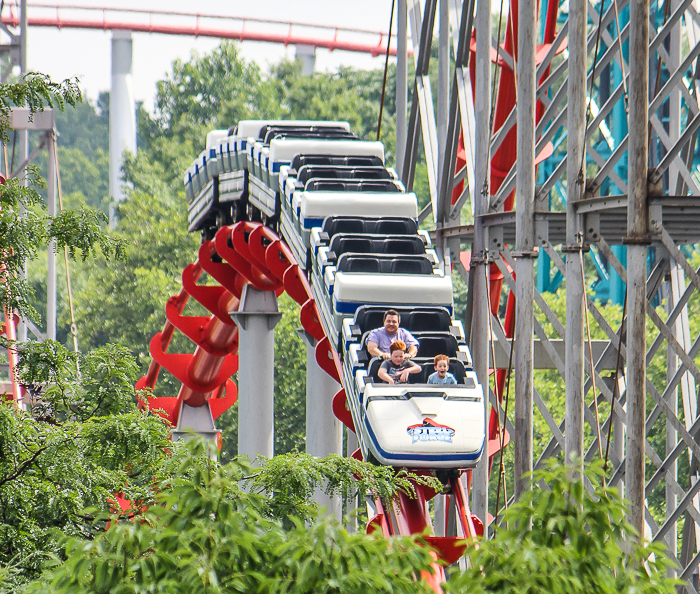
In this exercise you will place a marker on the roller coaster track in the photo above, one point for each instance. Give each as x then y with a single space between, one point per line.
249 252
199 25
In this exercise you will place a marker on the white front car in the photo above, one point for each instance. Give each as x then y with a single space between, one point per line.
425 426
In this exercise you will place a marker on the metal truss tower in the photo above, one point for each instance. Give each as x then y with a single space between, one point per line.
606 126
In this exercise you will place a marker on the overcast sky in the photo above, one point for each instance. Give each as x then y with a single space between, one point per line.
86 53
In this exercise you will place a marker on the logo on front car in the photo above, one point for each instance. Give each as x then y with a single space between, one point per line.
429 430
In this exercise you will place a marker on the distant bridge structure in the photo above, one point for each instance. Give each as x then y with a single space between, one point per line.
197 24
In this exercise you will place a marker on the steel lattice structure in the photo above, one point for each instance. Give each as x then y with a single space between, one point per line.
608 99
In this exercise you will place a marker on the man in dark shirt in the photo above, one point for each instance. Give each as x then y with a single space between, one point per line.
396 369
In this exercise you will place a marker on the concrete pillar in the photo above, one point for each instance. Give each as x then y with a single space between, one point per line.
324 432
306 54
351 444
198 419
256 317
51 281
479 341
122 114
401 83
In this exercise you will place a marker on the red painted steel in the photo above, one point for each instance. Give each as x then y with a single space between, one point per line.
9 329
256 253
196 29
501 163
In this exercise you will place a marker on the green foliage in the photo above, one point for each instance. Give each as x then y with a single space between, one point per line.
35 91
84 180
85 127
565 538
207 535
82 440
124 301
81 230
24 228
290 480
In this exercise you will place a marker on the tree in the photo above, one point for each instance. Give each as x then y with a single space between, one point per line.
81 441
23 226
565 538
207 534
124 301
82 437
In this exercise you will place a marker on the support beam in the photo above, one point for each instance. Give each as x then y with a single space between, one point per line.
324 432
195 419
575 181
351 444
401 83
306 54
443 90
122 115
256 317
525 243
23 134
51 281
637 229
479 342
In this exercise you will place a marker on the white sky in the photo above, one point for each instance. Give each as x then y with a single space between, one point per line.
86 53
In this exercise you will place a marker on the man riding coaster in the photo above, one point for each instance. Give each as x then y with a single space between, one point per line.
380 339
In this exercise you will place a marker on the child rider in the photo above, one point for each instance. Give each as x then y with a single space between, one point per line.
396 370
442 375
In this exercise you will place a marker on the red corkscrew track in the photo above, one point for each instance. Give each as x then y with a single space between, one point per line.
252 253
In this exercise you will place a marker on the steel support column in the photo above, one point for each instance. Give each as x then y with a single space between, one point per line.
675 290
525 243
443 90
575 181
51 281
401 83
23 134
324 432
637 229
256 317
479 342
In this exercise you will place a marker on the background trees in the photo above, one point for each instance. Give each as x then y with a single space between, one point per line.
83 438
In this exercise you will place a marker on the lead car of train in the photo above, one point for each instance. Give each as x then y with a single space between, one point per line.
353 227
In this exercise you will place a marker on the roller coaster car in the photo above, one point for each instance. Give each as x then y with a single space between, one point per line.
423 426
414 319
414 425
218 176
354 289
431 343
343 243
266 163
376 264
201 183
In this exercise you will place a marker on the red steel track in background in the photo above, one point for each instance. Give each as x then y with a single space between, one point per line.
200 25
501 163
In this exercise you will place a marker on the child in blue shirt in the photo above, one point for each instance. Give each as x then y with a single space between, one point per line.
442 375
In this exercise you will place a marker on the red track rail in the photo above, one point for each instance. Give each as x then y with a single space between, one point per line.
54 16
501 163
253 253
